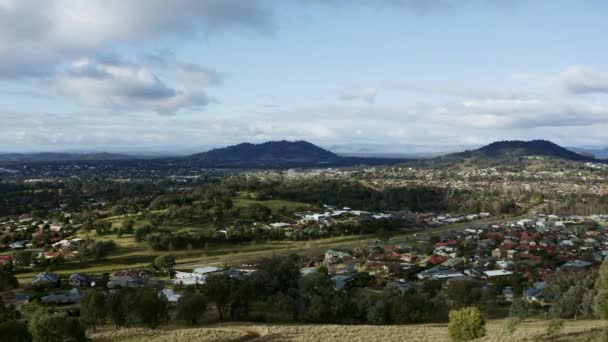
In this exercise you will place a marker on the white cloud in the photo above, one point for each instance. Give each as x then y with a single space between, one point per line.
36 36
122 85
581 80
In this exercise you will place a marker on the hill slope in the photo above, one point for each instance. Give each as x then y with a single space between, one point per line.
279 154
268 151
501 152
518 148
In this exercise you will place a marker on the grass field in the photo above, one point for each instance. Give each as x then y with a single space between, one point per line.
534 330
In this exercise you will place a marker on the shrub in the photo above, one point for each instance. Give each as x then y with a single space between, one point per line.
555 326
519 309
466 324
511 325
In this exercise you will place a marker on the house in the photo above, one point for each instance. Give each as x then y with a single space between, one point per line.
46 279
504 264
496 273
576 265
69 297
454 262
124 281
16 299
18 244
6 259
507 295
207 270
81 280
476 271
172 297
533 295
439 272
341 281
497 253
333 256
188 279
307 270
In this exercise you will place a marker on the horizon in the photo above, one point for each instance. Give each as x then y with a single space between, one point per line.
356 77
413 151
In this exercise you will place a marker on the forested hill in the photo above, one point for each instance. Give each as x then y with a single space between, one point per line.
513 150
268 151
279 154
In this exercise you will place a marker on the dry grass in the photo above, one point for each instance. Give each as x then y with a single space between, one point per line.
170 334
530 331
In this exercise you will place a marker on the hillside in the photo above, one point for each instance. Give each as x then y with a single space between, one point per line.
502 152
268 151
279 154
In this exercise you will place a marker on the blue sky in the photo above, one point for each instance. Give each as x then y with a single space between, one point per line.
386 75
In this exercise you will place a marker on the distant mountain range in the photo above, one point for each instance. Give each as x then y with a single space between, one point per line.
283 154
61 157
600 153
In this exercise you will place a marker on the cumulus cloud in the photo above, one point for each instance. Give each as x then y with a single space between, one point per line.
581 80
112 83
37 36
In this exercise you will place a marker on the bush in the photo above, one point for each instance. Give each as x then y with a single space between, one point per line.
511 325
466 324
519 309
47 326
555 326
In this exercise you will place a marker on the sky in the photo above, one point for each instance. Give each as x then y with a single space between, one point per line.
146 76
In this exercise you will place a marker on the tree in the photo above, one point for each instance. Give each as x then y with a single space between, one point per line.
8 312
119 306
463 293
151 309
11 329
220 289
165 263
8 281
95 251
601 287
191 307
519 309
47 326
14 331
127 226
466 324
23 258
93 308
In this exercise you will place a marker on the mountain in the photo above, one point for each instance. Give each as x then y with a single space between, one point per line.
60 157
279 154
511 150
